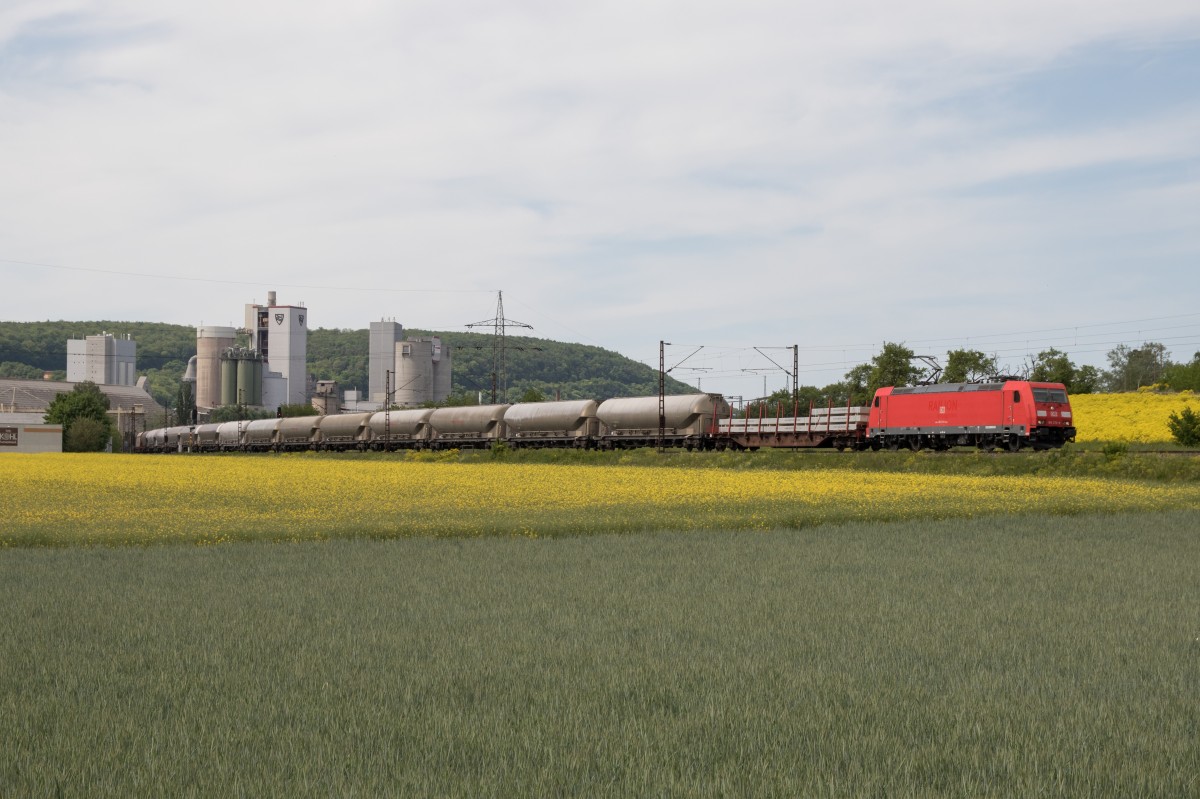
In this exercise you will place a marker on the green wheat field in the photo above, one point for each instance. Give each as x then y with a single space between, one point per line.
1007 656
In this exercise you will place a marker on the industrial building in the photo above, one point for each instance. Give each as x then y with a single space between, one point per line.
103 359
279 333
29 432
420 367
130 408
263 364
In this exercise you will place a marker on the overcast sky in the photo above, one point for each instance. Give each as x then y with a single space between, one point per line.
1001 176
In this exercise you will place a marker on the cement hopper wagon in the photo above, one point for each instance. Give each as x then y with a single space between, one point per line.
297 432
229 435
634 422
205 439
468 426
545 424
343 431
259 435
405 429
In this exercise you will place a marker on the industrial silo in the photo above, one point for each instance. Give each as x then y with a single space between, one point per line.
442 385
413 381
229 377
256 372
249 379
210 343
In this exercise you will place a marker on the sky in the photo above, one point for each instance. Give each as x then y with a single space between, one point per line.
734 177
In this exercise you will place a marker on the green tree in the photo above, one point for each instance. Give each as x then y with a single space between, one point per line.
1053 366
297 409
893 366
1184 376
855 387
532 395
20 370
1087 380
1130 369
968 366
86 435
185 404
84 401
1185 427
234 413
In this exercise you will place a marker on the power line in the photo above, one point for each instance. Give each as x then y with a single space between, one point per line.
225 282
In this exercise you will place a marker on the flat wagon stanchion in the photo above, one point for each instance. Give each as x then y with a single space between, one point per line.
840 428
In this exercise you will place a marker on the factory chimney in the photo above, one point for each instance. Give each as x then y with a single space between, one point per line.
270 299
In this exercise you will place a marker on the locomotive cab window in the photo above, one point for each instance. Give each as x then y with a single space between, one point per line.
1016 396
877 402
1049 395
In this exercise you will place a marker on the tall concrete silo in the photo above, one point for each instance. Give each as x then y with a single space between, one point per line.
414 372
442 384
211 341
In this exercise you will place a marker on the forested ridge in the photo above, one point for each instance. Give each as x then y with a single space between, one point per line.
553 368
540 367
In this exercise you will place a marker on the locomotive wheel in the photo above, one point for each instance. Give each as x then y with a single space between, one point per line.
916 444
1014 443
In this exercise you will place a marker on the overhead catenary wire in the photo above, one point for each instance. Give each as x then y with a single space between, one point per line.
228 282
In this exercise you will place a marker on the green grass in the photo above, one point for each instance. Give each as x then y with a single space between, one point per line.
1124 462
995 657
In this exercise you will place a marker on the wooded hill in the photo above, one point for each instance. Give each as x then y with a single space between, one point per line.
570 371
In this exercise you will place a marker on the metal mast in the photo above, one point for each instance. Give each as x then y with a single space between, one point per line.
662 393
499 325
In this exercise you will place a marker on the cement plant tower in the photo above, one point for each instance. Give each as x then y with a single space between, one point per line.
267 368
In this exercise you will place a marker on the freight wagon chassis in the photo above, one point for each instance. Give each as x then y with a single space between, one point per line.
797 440
675 441
1013 441
837 428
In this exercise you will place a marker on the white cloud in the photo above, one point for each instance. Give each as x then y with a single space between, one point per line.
638 170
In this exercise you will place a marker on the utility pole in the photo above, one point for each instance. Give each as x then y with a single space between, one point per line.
387 411
795 378
662 393
499 325
662 387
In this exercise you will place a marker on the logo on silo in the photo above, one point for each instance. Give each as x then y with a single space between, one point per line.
279 319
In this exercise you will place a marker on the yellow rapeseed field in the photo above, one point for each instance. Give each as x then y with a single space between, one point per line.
111 499
1135 417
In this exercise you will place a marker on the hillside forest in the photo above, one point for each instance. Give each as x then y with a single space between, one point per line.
541 369
537 368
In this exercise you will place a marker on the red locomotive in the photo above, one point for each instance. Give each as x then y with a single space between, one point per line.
1011 414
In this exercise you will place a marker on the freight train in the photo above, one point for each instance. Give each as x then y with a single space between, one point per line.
1009 414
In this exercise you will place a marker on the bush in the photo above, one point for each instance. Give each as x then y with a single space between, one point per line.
1185 427
1115 449
86 435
